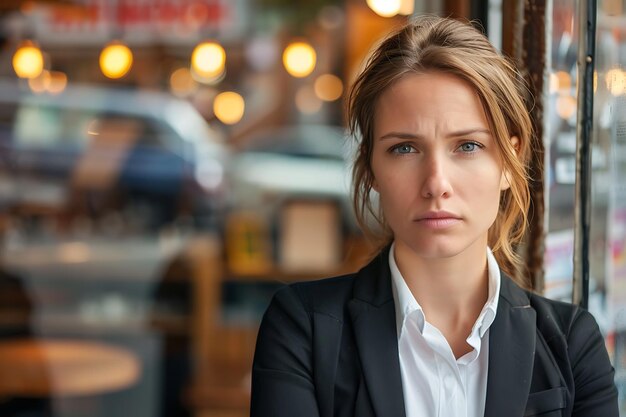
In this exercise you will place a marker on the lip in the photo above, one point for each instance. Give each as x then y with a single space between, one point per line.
438 219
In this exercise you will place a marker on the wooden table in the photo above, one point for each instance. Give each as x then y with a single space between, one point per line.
31 367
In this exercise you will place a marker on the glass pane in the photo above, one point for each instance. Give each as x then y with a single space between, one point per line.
560 144
607 298
150 209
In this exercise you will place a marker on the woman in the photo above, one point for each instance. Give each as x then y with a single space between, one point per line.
434 325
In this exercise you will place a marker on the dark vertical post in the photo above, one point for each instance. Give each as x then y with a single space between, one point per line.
532 54
582 209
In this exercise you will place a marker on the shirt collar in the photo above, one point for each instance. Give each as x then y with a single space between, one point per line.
406 304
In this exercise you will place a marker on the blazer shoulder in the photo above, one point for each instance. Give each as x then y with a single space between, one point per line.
327 296
558 317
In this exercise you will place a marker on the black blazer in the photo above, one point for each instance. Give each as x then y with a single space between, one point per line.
329 349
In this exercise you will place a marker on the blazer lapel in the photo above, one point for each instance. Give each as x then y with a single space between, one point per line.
373 318
511 353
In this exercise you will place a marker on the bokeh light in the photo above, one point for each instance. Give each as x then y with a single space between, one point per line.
28 60
208 60
39 85
182 83
565 106
564 81
385 8
262 53
53 82
229 107
616 81
299 59
116 59
328 87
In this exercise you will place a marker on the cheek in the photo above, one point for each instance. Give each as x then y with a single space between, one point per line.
397 195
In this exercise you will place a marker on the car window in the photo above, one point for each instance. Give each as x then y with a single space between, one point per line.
39 126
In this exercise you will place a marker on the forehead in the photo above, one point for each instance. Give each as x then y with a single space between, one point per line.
429 100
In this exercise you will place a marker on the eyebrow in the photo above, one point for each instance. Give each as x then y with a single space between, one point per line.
403 135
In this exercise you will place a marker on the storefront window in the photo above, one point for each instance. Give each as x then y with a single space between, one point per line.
164 168
560 144
607 246
607 298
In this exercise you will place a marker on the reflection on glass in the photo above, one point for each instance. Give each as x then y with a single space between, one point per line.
560 144
607 300
143 213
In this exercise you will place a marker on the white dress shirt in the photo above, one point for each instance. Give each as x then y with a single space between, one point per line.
434 382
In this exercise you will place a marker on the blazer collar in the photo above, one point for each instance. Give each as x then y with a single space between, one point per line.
511 352
511 344
373 282
373 318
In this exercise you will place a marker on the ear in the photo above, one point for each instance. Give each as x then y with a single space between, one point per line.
505 182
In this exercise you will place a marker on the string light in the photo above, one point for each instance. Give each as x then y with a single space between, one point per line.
28 60
208 60
385 8
299 59
229 107
116 59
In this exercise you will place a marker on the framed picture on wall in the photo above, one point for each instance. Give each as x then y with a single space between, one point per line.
310 235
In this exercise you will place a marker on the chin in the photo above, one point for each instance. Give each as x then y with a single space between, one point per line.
435 250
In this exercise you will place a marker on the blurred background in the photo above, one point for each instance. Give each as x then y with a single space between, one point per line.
166 165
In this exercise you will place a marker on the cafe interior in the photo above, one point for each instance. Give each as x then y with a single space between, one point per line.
167 165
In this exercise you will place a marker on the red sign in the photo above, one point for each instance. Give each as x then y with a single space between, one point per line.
127 14
95 19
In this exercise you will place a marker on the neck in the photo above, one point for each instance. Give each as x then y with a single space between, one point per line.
448 288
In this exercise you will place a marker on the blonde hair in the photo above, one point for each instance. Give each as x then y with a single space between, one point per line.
429 44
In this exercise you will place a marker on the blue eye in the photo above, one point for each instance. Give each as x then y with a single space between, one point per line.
403 148
469 147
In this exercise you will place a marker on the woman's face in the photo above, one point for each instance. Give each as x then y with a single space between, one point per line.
436 166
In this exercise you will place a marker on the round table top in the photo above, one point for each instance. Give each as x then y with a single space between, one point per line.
32 367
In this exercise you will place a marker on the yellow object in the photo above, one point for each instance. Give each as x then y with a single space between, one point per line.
248 243
616 81
229 107
385 8
208 59
299 59
28 60
116 59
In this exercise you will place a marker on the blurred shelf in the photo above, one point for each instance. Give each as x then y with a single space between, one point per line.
174 325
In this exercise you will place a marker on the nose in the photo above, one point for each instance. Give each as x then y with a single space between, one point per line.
436 180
